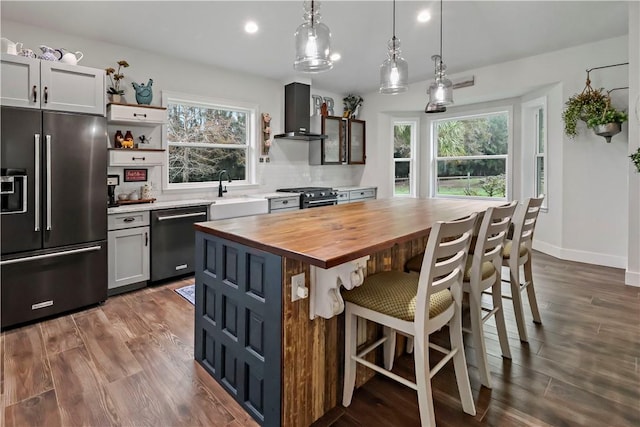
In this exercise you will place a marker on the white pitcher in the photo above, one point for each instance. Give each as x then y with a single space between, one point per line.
71 58
9 47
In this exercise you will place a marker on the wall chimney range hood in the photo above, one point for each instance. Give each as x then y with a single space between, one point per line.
297 113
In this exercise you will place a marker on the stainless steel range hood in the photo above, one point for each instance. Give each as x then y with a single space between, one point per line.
297 117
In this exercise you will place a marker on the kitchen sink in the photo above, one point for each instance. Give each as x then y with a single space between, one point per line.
237 207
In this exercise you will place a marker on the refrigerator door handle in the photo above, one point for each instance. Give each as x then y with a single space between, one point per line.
36 138
51 255
48 138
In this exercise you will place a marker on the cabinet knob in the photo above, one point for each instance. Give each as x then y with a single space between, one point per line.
137 158
129 219
141 115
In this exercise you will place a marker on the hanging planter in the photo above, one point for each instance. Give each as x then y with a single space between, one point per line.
609 123
593 106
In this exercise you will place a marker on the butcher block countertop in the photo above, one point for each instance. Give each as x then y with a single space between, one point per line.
332 235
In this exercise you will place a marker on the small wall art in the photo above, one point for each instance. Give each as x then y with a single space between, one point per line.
135 175
266 133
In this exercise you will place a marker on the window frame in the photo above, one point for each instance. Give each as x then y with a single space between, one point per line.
508 110
413 160
214 103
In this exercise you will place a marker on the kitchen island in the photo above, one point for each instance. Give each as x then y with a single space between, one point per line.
259 344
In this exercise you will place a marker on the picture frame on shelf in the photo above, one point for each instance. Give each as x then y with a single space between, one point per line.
135 175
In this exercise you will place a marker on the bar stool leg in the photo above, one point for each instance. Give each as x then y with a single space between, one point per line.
423 382
501 326
516 296
533 302
350 346
478 339
389 347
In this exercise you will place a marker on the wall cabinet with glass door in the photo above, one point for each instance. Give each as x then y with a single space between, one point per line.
344 144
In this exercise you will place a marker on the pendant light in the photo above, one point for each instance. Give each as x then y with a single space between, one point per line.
394 71
441 90
313 42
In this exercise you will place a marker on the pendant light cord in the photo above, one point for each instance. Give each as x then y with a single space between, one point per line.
394 31
441 36
313 17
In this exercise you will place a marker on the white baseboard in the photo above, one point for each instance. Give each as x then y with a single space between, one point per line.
580 256
632 278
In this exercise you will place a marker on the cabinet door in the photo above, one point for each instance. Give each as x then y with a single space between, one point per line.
356 142
20 81
72 88
128 256
332 151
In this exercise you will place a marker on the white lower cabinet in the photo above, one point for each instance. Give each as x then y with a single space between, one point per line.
128 241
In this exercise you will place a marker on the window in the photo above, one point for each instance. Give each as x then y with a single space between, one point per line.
534 154
471 156
205 137
404 143
541 154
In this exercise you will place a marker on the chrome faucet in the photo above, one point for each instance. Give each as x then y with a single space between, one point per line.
220 189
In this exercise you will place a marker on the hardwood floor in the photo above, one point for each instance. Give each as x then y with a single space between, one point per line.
130 362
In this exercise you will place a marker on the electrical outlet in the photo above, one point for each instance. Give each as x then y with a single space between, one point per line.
298 288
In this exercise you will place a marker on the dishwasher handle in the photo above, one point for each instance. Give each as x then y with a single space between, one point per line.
178 216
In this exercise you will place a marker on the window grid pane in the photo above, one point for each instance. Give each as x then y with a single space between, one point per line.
472 154
203 140
402 184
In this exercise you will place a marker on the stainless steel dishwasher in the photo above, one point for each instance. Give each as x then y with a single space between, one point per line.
173 241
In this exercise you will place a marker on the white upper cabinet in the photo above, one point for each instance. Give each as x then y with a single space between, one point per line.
51 85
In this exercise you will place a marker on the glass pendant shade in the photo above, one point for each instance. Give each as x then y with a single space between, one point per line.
441 90
394 71
313 42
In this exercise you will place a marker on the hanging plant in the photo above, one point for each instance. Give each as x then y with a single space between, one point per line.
588 104
635 158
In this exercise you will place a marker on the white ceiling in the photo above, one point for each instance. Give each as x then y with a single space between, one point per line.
476 33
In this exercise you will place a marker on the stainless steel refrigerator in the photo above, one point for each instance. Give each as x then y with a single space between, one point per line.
53 234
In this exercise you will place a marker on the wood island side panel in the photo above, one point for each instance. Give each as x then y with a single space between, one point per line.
313 350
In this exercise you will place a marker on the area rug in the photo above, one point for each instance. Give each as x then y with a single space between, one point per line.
188 293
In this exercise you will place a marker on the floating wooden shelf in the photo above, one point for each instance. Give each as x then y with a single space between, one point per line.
135 202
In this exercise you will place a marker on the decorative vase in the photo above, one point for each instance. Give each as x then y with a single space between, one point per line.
144 93
116 99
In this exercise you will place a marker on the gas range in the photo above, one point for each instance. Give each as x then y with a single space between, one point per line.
314 197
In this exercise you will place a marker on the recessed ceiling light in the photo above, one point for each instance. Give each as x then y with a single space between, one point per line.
335 56
424 16
251 27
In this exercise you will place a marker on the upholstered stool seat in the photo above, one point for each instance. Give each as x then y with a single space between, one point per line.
506 250
394 293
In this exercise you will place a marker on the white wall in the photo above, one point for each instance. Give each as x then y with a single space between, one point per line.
288 165
588 193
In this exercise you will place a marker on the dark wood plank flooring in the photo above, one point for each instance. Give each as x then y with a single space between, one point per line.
130 362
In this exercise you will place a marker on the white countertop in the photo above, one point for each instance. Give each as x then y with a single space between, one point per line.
273 195
358 187
158 205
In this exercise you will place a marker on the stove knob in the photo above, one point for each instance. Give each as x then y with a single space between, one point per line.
321 194
308 195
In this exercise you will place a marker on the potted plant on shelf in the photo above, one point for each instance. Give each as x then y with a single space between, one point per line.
114 90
